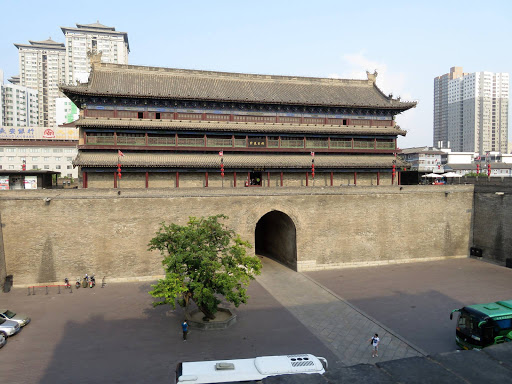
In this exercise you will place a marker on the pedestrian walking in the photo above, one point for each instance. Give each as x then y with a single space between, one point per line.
374 342
184 326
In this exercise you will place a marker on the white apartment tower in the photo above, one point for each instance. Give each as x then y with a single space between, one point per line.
42 66
471 111
88 39
18 106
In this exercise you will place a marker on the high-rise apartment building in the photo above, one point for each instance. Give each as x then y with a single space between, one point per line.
471 111
42 66
18 106
441 106
88 39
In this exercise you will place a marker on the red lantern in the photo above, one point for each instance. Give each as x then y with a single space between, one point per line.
478 168
24 166
489 169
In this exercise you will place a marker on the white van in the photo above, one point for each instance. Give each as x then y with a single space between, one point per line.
224 371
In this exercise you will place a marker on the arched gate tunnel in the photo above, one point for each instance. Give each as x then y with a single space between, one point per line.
275 237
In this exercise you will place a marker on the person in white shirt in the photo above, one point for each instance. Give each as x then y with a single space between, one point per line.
374 341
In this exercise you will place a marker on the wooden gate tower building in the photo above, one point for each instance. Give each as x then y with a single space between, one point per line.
190 128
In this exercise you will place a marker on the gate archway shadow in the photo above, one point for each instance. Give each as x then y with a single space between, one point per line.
276 238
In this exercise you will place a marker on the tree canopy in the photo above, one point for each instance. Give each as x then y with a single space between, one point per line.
202 260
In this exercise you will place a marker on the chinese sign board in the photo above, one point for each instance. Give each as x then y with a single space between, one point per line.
39 133
257 142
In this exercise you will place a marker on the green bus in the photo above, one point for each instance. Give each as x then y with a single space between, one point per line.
482 325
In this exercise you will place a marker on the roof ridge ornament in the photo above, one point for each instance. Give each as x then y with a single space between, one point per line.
95 58
372 76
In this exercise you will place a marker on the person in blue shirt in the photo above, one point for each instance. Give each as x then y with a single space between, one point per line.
184 325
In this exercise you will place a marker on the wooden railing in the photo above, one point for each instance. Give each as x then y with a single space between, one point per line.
100 140
341 144
190 142
317 144
292 143
126 140
364 144
239 142
161 140
223 143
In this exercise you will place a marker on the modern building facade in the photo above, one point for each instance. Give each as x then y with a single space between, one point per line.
66 111
39 148
18 106
441 106
42 66
46 64
471 111
87 39
424 159
183 128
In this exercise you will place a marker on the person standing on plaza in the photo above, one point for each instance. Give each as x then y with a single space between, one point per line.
374 342
184 326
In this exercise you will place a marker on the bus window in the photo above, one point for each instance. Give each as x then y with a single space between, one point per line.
468 324
505 324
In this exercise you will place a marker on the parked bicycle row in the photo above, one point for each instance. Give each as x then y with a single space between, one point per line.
86 281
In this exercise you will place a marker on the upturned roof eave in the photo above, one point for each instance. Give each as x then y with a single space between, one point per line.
69 90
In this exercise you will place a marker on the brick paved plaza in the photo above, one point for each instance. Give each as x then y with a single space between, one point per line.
114 335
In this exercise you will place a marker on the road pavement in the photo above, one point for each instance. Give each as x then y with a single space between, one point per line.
415 299
114 335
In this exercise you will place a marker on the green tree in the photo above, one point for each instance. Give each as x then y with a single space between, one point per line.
202 260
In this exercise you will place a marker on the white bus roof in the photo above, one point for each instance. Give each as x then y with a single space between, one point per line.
248 369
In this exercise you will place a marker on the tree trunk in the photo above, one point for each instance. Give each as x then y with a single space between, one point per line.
208 315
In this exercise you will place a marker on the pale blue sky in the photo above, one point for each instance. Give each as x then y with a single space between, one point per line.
408 42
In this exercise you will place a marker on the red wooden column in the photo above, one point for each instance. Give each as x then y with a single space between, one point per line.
332 178
268 179
115 138
281 178
206 179
355 178
84 180
249 178
115 179
85 137
307 179
234 179
147 179
177 179
399 177
378 178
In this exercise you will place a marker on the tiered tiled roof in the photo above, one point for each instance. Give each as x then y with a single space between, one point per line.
96 28
209 126
181 84
45 44
268 161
